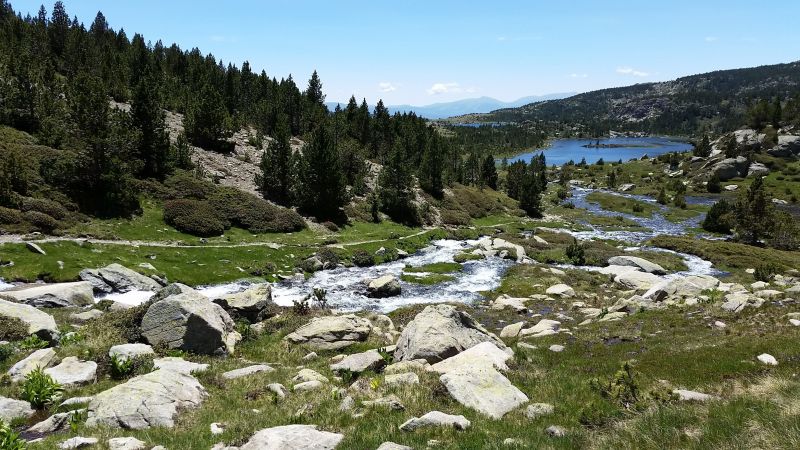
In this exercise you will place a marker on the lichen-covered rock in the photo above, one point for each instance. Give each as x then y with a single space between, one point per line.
483 389
331 332
436 419
640 263
38 322
11 409
73 372
118 278
53 295
191 322
251 304
291 437
485 354
360 362
151 400
439 332
41 358
384 286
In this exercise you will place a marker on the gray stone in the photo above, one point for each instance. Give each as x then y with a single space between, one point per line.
34 247
74 401
53 295
39 323
55 423
504 301
118 278
331 332
179 365
757 169
439 332
640 263
683 286
545 327
83 317
306 386
485 354
436 419
512 331
41 358
686 395
309 375
78 442
561 290
245 371
393 446
419 365
360 362
11 409
626 187
129 351
640 281
278 389
401 379
388 402
767 359
251 304
557 348
190 322
73 372
555 431
483 389
536 410
788 145
126 443
384 286
151 400
293 437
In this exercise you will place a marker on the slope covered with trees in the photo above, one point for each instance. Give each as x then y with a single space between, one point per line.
712 102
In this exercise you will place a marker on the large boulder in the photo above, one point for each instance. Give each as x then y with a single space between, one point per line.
439 332
748 139
11 409
73 372
51 295
485 354
384 286
293 437
436 419
730 168
38 322
118 278
483 389
189 321
151 400
640 281
251 304
40 359
788 145
516 252
360 362
124 352
331 332
682 286
640 263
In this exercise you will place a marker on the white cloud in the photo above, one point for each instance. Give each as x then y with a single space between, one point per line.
579 75
711 39
386 86
631 71
444 88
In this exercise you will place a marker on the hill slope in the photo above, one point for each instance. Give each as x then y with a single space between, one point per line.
715 100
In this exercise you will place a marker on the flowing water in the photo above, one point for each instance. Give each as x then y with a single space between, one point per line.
346 286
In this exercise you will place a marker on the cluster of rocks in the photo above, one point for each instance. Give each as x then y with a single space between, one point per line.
490 247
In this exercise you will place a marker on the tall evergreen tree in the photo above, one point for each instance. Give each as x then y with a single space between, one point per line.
322 190
489 172
276 179
396 186
430 171
207 119
149 118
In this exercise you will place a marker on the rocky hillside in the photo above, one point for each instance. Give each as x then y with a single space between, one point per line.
715 100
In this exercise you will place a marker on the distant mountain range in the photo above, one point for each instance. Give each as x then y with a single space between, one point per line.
714 101
465 106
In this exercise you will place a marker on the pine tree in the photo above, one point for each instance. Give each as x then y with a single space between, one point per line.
207 123
713 186
396 187
149 118
753 213
489 173
430 171
275 179
703 149
322 190
530 196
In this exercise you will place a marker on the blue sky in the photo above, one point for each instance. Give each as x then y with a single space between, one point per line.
422 52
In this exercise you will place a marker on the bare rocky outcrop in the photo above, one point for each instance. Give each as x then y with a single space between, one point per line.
37 322
251 304
439 332
118 278
53 295
331 332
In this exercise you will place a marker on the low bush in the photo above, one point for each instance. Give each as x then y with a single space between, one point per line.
9 440
575 253
12 329
10 216
44 206
40 390
362 258
252 213
42 222
328 255
6 350
185 185
195 217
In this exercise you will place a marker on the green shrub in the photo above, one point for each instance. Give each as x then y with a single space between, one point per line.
44 206
719 218
575 253
33 342
10 216
362 258
328 255
454 217
185 184
12 329
6 350
622 389
195 217
254 214
9 440
121 367
764 272
41 221
39 389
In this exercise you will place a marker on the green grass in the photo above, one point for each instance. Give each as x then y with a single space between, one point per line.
616 203
677 215
427 280
442 267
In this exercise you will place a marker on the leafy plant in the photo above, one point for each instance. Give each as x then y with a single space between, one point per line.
39 389
764 272
71 338
388 357
622 389
121 367
362 258
348 376
375 383
575 253
76 418
320 298
33 342
9 440
714 295
6 350
301 307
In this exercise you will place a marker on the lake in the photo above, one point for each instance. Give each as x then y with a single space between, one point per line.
561 151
